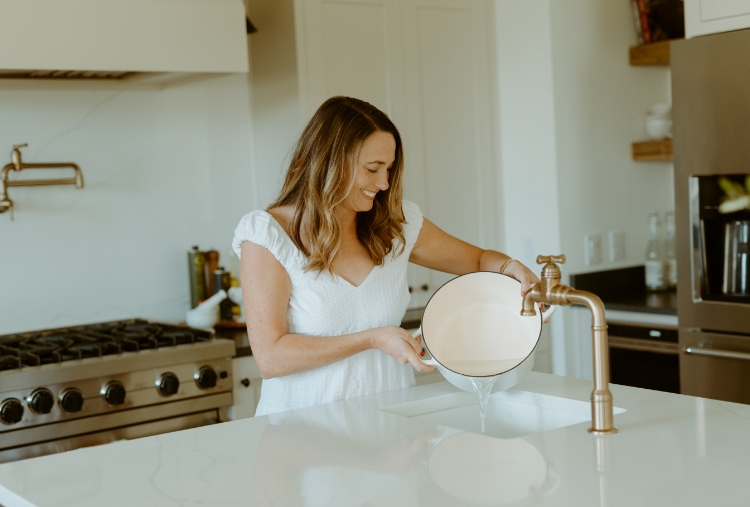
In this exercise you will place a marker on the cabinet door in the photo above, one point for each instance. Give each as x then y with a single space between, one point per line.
713 16
450 171
246 389
425 63
352 48
355 48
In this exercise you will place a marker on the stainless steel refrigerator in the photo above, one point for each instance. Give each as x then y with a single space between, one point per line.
711 113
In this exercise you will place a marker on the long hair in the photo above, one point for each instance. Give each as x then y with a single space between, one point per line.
321 175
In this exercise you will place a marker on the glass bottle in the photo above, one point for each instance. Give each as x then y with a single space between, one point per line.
669 252
654 256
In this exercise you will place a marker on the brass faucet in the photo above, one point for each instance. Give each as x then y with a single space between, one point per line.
17 164
551 291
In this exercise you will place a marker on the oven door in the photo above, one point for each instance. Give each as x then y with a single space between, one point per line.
715 365
645 357
105 437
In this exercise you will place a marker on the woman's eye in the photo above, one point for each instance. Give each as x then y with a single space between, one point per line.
371 171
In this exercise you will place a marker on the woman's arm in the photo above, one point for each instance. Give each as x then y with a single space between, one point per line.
436 249
265 294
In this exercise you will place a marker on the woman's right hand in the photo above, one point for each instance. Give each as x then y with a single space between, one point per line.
399 344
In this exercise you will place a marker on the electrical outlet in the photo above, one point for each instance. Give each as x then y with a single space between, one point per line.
592 249
616 246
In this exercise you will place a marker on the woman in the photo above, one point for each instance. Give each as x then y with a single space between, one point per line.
323 270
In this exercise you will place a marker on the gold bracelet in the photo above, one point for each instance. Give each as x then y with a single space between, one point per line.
505 265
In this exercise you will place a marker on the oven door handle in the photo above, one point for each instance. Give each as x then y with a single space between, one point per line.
616 342
701 350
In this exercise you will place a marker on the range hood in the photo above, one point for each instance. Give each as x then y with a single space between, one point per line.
121 39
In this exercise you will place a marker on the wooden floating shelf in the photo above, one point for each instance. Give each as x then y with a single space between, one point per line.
656 53
653 151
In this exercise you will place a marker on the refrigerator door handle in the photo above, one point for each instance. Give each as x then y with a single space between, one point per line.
701 350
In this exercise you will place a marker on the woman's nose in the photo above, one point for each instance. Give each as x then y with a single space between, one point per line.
382 182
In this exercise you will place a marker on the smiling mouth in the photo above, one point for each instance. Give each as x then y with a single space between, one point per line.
368 194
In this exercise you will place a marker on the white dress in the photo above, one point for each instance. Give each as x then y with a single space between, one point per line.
325 305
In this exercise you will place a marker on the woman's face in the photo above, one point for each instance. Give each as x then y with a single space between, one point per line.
371 175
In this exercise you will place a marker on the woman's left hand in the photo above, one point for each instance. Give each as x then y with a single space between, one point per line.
525 276
522 274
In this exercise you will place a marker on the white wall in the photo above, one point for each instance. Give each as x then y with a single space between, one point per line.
275 92
164 170
570 107
600 106
528 180
529 183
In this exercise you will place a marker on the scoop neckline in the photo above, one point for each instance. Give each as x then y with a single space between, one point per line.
333 274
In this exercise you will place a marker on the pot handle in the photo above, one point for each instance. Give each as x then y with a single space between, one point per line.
431 361
550 311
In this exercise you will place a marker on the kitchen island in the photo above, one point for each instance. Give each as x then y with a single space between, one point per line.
420 446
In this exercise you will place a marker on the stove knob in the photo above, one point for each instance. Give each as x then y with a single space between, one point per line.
114 393
71 400
205 377
168 384
11 411
41 401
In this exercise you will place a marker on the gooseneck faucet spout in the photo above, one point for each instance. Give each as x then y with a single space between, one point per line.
17 164
551 291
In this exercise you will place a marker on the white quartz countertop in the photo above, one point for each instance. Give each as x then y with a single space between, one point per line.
671 450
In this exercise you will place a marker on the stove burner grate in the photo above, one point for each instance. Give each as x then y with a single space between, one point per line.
96 340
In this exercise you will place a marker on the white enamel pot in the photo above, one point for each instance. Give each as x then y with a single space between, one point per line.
472 327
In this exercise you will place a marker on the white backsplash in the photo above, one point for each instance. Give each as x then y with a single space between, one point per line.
163 170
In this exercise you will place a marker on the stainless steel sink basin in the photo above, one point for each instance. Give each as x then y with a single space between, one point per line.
510 413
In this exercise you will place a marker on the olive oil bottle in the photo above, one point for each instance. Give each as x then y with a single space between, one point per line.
197 272
654 256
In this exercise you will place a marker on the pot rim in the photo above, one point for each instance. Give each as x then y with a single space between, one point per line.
421 322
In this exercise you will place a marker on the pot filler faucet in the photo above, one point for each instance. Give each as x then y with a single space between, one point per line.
17 164
550 291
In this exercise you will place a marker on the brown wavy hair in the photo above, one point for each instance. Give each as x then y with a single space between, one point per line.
321 175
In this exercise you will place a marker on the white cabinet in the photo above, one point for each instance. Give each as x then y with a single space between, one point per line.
426 64
246 389
703 17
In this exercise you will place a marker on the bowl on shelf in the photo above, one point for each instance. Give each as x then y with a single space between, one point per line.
658 128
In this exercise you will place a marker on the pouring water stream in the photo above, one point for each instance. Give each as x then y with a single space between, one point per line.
483 388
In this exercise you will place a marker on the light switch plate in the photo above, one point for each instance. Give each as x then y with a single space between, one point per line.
616 246
592 249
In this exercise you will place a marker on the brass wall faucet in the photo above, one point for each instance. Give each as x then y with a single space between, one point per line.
17 164
551 291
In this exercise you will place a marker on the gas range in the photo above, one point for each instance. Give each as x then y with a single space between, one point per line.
66 388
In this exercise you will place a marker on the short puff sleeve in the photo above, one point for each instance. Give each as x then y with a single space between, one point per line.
413 223
261 228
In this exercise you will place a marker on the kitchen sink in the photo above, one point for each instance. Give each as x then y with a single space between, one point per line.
509 414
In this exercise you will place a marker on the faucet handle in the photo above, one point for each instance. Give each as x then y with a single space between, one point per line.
7 205
15 156
550 259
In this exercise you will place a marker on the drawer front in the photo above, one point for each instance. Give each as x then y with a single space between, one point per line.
650 333
644 356
715 365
